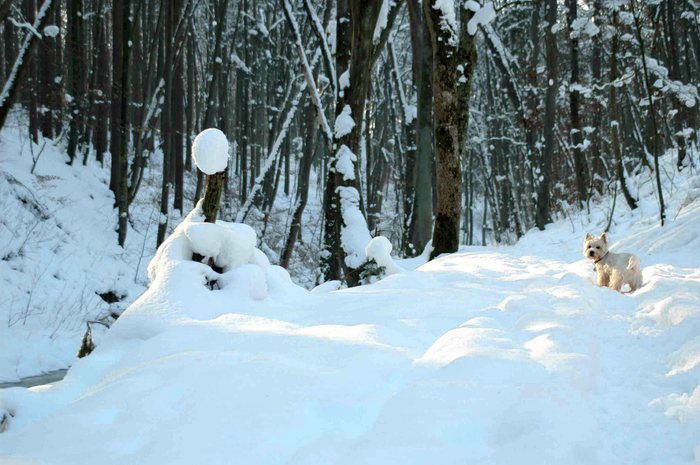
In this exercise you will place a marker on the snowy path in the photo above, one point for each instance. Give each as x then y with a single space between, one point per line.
495 356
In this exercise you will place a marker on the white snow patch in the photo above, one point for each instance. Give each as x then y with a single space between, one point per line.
379 250
345 162
483 16
210 151
51 30
354 235
344 123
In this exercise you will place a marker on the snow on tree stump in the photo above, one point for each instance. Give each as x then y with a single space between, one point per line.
210 154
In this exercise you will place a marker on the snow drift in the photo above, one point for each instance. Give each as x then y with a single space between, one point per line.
491 355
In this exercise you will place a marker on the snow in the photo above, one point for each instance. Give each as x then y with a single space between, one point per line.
240 64
210 151
230 245
482 16
51 30
492 355
448 18
382 19
344 123
23 50
345 162
58 252
354 234
344 80
379 250
583 26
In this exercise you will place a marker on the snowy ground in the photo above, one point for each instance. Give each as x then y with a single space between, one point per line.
58 252
488 356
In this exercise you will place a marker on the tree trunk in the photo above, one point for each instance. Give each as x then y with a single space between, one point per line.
574 104
454 60
420 226
16 76
614 123
76 75
123 199
542 215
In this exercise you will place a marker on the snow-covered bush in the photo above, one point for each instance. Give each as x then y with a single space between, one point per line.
231 246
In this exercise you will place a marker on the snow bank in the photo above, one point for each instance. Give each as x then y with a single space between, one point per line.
491 355
58 253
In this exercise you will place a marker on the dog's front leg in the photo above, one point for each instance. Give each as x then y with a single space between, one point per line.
603 279
616 282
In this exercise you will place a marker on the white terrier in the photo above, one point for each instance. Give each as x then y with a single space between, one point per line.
614 269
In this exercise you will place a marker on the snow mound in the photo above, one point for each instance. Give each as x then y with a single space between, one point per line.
210 151
379 250
231 246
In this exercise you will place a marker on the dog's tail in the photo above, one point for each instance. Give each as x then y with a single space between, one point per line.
633 264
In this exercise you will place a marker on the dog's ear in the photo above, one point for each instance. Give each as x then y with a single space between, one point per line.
588 237
604 237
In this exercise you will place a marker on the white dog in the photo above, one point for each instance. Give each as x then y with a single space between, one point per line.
614 269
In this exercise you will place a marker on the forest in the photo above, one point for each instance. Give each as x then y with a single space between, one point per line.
468 124
349 232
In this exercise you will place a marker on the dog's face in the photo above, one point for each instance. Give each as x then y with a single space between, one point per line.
594 248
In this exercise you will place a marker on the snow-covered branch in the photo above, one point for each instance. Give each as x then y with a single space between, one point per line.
308 74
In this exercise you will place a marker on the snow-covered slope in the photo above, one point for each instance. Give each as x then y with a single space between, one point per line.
489 356
58 252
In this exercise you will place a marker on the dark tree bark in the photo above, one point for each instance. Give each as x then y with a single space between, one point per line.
16 75
356 52
654 126
543 195
123 201
420 226
615 124
454 60
76 74
31 86
176 108
103 86
116 117
581 168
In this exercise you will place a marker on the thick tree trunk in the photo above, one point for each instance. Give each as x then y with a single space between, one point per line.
454 60
420 226
543 195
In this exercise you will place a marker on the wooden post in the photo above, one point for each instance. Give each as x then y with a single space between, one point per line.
212 195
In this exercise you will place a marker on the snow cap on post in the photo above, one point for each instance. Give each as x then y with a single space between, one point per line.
210 151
